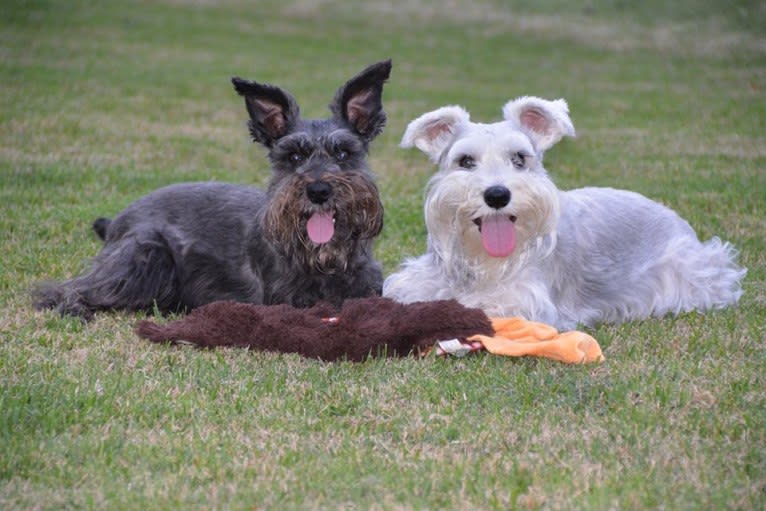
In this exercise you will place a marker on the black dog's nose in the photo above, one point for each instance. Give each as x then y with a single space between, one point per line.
318 192
497 196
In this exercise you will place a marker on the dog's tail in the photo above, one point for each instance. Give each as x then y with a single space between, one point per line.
133 273
700 276
100 226
722 277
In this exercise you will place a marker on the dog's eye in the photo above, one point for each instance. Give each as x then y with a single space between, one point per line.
295 157
466 162
519 160
341 155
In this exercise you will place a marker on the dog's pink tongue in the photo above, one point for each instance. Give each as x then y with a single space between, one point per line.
320 227
498 235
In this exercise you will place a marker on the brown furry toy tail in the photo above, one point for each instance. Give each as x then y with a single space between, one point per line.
362 327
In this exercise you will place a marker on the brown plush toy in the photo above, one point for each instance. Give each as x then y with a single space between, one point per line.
367 327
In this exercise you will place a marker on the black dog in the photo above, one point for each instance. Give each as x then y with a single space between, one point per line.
308 238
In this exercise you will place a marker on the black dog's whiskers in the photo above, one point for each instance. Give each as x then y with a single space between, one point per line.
355 210
307 239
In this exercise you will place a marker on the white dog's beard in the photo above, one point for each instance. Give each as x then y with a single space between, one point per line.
466 233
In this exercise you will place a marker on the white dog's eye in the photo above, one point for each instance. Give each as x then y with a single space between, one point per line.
519 159
466 162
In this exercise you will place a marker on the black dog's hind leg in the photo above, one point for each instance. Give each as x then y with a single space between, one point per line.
134 273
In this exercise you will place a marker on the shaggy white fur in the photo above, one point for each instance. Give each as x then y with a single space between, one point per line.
503 238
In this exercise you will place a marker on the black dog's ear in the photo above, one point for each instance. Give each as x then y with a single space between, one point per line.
273 112
358 102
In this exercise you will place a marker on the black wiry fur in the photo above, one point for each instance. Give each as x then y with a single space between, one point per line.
186 245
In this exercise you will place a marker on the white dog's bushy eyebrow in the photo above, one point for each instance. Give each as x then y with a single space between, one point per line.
497 141
466 147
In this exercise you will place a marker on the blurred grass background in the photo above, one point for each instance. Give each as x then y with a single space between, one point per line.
101 102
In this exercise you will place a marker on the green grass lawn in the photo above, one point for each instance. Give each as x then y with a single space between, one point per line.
101 102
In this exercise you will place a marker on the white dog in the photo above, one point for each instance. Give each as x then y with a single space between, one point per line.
503 238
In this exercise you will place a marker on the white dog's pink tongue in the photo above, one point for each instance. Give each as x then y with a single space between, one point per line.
498 235
320 227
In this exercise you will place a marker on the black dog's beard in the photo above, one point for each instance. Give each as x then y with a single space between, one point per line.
356 208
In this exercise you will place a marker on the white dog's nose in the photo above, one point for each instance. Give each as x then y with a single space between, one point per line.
497 196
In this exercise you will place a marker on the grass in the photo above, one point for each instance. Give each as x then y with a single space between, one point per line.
102 102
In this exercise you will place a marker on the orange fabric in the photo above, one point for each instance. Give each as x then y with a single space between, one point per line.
517 337
521 330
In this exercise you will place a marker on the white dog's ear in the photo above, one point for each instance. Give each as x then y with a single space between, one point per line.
433 132
545 121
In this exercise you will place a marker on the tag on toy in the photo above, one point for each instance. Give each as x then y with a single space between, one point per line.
456 348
